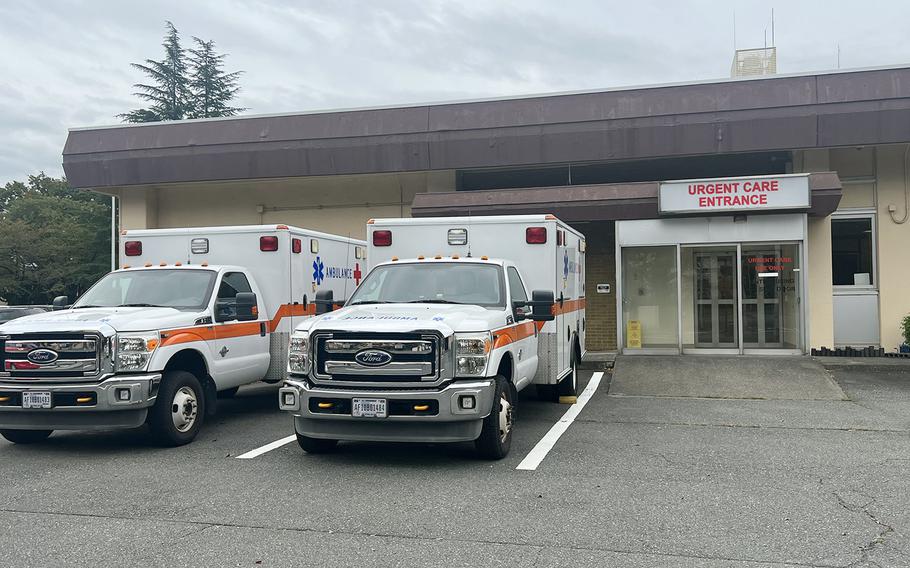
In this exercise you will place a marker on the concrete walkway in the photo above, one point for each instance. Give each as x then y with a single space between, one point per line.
734 377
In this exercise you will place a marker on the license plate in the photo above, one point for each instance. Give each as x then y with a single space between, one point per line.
369 407
36 400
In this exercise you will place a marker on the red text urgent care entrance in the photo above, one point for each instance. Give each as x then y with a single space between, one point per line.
738 195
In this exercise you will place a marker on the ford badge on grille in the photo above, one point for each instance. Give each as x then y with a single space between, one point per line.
42 356
373 357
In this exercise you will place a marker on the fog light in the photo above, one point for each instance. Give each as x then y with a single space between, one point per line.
466 402
288 399
123 395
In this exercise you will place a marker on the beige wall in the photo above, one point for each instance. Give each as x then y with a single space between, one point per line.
820 314
340 205
873 178
893 242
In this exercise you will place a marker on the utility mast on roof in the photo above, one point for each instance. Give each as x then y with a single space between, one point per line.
757 61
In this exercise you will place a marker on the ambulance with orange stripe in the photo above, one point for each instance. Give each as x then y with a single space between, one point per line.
454 318
193 314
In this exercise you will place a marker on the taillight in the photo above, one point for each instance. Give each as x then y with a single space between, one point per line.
133 248
536 235
268 244
296 247
382 238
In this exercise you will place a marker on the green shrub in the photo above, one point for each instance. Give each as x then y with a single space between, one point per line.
905 327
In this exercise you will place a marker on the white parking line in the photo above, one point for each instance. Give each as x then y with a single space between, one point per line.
267 448
543 447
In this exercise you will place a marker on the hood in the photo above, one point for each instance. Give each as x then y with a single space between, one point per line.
404 318
101 319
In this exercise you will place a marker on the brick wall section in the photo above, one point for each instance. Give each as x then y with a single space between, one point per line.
600 268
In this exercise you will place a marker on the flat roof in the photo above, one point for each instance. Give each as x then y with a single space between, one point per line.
779 112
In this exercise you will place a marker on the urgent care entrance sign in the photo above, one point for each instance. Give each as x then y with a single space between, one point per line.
735 195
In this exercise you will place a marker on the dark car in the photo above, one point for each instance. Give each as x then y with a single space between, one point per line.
9 313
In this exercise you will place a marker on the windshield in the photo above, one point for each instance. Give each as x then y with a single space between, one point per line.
456 283
181 289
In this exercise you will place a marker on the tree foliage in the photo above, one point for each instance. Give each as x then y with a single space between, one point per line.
212 88
186 83
54 240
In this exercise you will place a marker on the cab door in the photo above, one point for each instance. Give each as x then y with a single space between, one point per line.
240 350
526 359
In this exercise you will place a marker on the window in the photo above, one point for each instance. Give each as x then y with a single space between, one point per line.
232 284
173 288
517 292
516 287
438 282
852 251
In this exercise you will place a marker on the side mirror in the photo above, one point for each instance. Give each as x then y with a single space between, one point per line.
542 305
60 302
247 307
325 302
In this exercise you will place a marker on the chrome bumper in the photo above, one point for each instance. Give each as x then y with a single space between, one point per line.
111 407
451 423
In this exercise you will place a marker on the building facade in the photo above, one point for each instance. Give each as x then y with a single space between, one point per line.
789 231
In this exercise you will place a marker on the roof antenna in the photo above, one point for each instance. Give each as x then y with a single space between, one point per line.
469 233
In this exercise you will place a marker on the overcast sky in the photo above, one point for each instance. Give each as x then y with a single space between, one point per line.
65 63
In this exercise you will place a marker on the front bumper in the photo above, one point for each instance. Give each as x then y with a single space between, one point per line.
109 406
449 423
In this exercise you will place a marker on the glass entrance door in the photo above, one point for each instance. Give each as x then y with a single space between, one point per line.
715 292
771 296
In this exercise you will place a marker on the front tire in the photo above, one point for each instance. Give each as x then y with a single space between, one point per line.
496 436
25 436
178 413
315 445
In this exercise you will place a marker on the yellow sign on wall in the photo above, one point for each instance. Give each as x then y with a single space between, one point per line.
633 334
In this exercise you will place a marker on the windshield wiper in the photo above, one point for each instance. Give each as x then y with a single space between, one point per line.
88 306
433 302
365 302
140 306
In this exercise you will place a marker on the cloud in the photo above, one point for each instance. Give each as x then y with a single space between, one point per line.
65 63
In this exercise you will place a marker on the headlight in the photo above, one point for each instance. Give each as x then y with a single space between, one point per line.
299 353
471 353
134 350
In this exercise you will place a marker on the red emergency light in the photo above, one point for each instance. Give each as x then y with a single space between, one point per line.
133 248
536 235
296 247
382 238
268 244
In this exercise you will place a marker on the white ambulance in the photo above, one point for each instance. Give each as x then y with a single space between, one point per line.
192 314
454 318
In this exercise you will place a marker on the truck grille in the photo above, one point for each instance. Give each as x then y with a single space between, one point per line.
371 359
39 356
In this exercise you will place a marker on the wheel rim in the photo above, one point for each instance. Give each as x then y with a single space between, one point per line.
505 417
184 409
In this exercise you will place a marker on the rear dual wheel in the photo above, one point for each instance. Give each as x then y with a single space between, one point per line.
568 386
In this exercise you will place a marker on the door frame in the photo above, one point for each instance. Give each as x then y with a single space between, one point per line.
715 302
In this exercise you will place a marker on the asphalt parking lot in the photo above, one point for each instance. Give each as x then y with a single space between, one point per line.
634 481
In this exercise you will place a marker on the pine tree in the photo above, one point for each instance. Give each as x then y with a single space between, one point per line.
212 89
169 93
